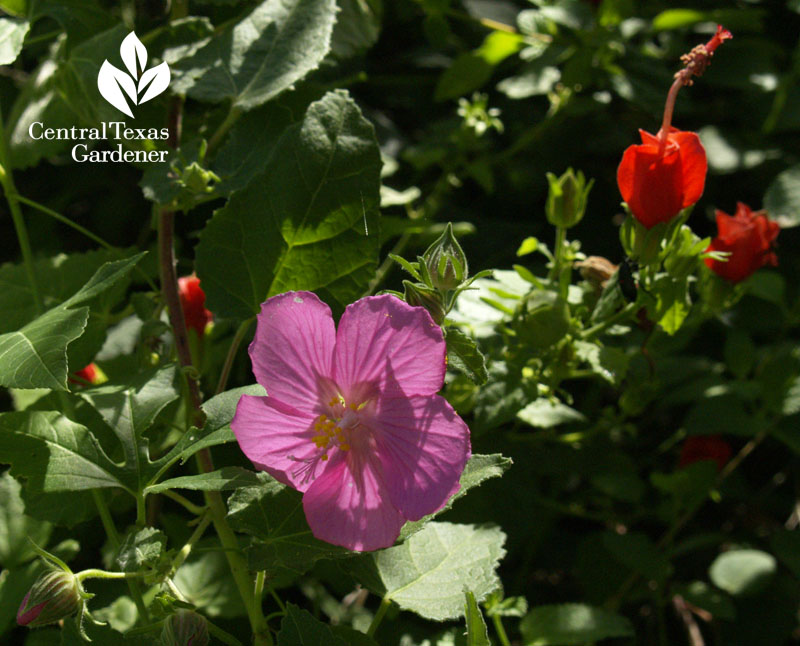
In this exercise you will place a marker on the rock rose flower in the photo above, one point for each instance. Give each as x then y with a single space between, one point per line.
748 236
351 417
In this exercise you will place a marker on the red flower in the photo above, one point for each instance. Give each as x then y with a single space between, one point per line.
705 447
748 236
193 300
658 180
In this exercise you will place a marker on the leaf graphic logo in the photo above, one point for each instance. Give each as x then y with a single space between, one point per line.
140 85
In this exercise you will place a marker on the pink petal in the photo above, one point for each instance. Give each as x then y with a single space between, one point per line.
292 351
423 446
277 439
385 345
348 505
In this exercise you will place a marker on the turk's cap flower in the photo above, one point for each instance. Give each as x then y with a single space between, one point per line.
697 448
54 596
90 373
658 181
193 302
352 417
748 236
185 628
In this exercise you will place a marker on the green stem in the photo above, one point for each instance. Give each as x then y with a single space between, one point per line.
620 316
187 504
258 592
7 182
555 270
501 631
387 263
224 637
238 566
104 574
113 537
376 620
226 368
141 511
227 124
181 556
77 227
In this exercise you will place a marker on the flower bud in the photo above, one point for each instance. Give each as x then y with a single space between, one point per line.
418 295
566 200
185 628
446 261
52 597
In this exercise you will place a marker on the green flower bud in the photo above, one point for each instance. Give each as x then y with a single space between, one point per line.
566 200
446 261
418 295
55 595
185 628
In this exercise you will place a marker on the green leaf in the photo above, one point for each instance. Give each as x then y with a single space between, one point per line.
223 479
429 573
56 454
609 363
257 58
571 623
352 637
273 513
786 546
357 28
300 628
782 199
12 34
463 355
303 223
542 413
16 528
742 572
636 551
205 580
677 18
129 410
219 411
479 469
672 302
81 19
35 356
477 634
467 73
141 549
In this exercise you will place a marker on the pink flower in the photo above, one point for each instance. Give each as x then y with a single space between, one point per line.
352 418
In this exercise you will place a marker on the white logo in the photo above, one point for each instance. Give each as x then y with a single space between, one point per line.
146 84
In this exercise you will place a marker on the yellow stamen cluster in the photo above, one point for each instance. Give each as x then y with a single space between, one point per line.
328 432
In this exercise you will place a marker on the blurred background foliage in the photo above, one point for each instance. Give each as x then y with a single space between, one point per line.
473 102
